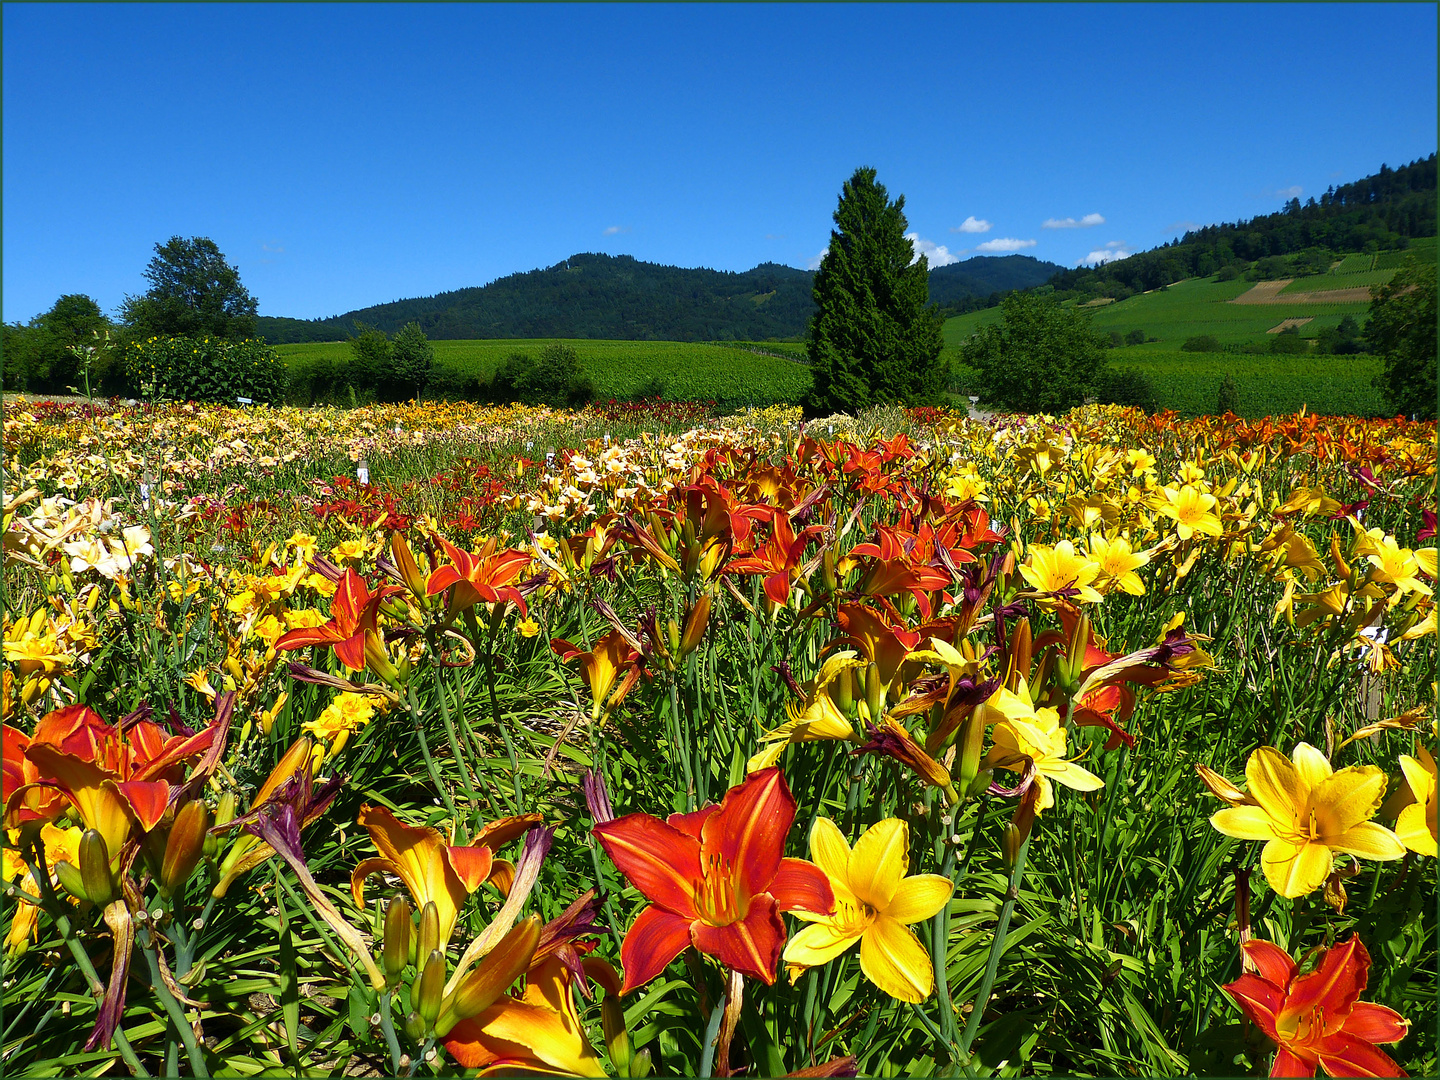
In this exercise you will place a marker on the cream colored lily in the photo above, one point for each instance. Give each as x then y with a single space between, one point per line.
874 904
1307 812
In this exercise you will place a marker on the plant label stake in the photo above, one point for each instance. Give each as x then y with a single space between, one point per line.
244 401
362 472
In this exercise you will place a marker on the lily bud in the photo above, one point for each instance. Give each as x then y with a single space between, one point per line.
695 625
152 849
968 746
1010 845
845 692
224 814
430 986
95 868
428 940
672 630
399 930
493 975
414 1026
70 879
640 1065
874 692
183 849
617 1039
827 564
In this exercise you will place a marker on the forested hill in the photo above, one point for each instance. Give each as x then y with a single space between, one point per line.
1379 213
618 297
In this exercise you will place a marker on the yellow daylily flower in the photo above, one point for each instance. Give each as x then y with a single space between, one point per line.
1416 825
1118 564
345 714
1397 566
1192 510
874 904
1306 812
1026 734
817 717
1050 569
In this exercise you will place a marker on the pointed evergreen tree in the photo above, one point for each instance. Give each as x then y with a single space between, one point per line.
875 338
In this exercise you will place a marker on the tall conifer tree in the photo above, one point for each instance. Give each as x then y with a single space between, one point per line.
874 339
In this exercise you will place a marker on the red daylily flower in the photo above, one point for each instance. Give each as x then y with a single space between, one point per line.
352 621
716 879
1318 1018
779 558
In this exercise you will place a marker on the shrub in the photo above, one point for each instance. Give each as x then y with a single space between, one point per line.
1228 273
1128 387
1135 337
556 378
412 361
1201 343
206 369
1289 342
1228 400
371 361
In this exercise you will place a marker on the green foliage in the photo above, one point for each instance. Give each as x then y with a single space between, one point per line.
1228 400
205 369
1201 343
371 362
731 376
412 359
1288 342
193 292
1041 357
1126 386
1341 340
1135 337
1189 383
555 378
874 339
1401 331
38 356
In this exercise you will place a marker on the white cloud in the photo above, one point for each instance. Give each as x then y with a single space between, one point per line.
1183 226
814 264
1294 191
615 230
1111 252
937 254
1070 223
276 250
1005 243
972 224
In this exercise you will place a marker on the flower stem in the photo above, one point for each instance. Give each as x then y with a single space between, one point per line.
171 1006
987 983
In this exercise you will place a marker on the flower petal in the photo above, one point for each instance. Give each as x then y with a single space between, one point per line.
816 944
830 850
1245 823
1311 765
1273 963
1288 1063
1071 775
1413 830
748 832
1259 999
1348 797
656 938
1275 783
1344 1055
1335 985
1368 840
802 885
418 855
661 861
750 945
1375 1023
920 897
1295 871
894 960
879 862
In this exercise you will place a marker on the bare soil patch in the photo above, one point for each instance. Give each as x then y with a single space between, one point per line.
1100 302
1268 292
1286 324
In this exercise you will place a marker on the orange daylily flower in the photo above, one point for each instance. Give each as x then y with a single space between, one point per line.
716 880
484 578
779 558
431 868
602 665
1318 1019
352 630
884 644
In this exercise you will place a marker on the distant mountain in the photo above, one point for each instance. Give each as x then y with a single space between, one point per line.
618 297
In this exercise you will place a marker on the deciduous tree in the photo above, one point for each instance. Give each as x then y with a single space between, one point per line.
193 292
1401 331
1040 357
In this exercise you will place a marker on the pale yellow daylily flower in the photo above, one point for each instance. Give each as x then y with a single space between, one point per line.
817 717
1118 564
874 904
1306 812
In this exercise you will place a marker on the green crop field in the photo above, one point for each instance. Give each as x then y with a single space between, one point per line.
1355 264
1189 383
1337 280
682 371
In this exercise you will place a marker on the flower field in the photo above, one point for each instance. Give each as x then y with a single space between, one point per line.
435 738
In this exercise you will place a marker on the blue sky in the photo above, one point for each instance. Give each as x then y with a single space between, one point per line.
344 155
